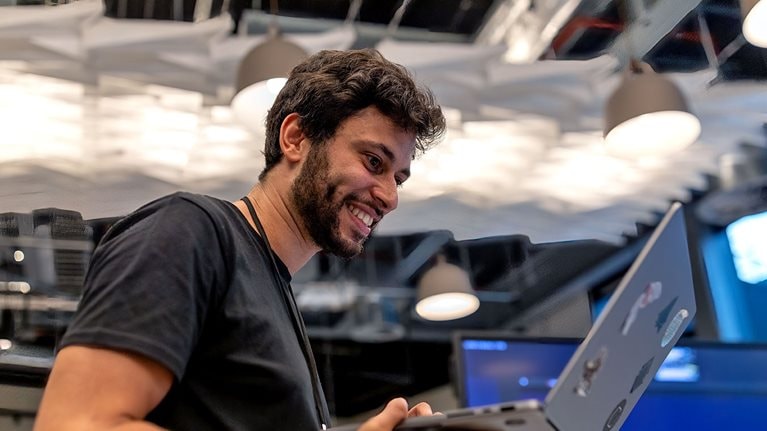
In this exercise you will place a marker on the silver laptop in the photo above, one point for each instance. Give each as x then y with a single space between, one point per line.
611 368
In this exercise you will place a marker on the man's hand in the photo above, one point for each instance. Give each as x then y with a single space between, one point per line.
395 412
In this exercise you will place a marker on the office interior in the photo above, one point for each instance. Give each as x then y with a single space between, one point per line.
106 105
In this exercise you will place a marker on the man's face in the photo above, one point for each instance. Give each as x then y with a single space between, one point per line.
346 185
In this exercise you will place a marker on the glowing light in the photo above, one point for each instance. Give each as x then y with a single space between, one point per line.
251 104
653 134
18 286
755 25
749 253
18 256
274 85
447 306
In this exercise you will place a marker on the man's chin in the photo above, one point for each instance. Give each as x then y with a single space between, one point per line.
349 251
345 248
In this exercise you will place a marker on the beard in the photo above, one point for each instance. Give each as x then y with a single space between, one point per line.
314 194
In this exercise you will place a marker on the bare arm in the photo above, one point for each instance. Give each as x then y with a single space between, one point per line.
99 389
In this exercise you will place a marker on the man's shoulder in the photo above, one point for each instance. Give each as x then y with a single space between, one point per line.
186 203
182 198
180 209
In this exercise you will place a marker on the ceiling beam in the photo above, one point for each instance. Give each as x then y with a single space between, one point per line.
649 26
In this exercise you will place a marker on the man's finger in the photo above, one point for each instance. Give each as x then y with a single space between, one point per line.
420 409
394 413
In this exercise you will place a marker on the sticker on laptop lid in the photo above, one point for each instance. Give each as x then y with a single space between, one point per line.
642 375
649 295
674 327
615 416
590 370
660 322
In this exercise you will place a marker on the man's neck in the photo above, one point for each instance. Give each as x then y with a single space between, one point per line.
283 229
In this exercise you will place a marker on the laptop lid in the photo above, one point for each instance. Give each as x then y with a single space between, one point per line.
639 325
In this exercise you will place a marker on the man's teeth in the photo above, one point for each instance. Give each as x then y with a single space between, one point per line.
362 216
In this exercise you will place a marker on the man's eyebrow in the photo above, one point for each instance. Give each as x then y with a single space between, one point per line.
388 153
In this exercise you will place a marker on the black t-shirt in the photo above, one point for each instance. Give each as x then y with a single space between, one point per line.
187 282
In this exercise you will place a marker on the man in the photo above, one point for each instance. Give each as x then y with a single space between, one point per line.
187 320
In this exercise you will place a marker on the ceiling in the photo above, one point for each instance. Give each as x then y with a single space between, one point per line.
102 114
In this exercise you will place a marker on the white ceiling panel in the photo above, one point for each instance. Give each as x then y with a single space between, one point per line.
100 116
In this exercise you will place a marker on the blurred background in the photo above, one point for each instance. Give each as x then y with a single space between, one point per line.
105 105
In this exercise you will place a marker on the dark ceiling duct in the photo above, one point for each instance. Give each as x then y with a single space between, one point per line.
592 30
166 10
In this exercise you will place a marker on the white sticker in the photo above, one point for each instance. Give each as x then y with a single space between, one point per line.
649 295
674 327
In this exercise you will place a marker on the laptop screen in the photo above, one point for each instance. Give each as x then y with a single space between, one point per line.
701 386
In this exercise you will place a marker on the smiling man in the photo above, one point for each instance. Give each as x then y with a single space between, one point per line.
187 319
348 185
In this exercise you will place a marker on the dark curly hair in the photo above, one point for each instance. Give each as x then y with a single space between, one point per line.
331 86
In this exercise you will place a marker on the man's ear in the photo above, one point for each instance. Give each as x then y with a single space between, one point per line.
293 142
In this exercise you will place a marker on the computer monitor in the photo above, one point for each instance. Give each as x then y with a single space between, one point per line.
749 250
701 386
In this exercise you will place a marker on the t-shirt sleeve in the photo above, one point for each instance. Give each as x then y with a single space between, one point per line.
150 284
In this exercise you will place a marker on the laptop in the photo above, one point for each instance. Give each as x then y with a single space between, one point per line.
612 367
492 367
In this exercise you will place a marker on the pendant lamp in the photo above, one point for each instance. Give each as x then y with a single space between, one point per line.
261 75
754 21
647 115
445 293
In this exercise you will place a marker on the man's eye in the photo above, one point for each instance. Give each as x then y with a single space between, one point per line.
374 161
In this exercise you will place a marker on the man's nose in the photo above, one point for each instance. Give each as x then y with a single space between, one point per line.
388 194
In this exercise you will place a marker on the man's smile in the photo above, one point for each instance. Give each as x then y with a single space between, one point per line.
362 220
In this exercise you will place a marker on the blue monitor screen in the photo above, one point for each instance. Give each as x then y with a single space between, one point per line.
749 248
699 386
